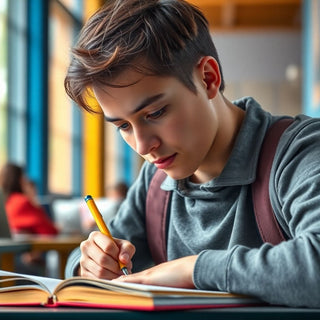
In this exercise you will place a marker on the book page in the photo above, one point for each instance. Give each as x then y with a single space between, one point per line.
116 294
169 290
80 291
45 283
51 283
139 289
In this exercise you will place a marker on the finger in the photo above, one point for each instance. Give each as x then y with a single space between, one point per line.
119 250
127 251
105 243
102 260
133 278
89 268
101 248
96 261
105 270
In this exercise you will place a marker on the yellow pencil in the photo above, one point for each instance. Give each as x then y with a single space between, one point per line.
101 225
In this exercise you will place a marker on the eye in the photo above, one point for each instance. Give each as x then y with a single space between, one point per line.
123 127
157 114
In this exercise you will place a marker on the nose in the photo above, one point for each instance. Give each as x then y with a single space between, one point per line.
145 140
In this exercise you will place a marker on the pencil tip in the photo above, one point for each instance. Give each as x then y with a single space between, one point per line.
125 271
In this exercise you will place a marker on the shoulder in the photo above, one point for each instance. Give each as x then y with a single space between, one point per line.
295 172
302 125
300 142
17 200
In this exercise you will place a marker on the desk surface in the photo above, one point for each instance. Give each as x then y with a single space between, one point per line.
8 248
54 242
223 313
9 245
62 244
40 243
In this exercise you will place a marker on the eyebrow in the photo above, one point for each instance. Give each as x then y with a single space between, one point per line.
145 103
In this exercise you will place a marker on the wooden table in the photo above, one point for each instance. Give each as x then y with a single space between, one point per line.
62 244
8 249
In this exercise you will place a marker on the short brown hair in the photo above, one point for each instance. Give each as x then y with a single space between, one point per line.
154 37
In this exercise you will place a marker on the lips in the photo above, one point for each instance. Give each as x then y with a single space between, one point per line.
164 163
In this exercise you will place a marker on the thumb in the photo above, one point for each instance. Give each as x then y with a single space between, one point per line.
126 251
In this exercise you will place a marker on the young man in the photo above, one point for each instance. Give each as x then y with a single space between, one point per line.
154 70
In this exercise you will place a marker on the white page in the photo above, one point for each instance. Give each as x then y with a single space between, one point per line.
49 283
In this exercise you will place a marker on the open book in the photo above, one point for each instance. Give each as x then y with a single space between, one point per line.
27 290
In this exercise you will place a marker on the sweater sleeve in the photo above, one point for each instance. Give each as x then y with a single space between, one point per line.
73 263
287 273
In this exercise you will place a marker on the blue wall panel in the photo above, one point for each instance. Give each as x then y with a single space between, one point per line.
37 93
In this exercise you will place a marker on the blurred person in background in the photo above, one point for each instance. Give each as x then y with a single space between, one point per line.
117 191
25 215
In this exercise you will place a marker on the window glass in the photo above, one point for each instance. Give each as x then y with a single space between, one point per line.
3 79
68 3
17 81
60 108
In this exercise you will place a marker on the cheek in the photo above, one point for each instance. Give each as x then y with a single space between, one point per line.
129 139
174 131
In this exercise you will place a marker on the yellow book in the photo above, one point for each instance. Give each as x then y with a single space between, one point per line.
28 290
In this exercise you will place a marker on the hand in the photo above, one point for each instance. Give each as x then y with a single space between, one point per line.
100 256
176 273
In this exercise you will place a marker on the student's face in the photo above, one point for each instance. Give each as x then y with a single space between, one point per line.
162 120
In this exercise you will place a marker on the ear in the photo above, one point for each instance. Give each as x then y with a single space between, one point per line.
209 72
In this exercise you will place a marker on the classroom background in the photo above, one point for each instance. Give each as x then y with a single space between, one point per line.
269 49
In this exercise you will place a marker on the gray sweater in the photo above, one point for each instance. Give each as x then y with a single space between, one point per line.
216 221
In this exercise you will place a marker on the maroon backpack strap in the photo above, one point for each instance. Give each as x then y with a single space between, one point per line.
156 216
268 226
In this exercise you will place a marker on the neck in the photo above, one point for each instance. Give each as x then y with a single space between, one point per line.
230 119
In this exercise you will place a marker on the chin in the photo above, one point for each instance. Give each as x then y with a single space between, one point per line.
177 175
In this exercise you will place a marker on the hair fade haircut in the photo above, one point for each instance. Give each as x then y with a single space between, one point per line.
153 37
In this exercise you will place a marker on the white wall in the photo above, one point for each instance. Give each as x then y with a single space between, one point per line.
256 64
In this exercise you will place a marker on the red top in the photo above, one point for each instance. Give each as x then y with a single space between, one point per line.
24 217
